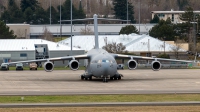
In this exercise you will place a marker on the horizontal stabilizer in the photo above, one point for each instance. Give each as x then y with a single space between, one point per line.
92 19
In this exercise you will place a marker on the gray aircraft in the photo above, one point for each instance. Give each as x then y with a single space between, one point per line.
101 64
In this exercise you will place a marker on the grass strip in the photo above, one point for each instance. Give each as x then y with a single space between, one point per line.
101 98
108 109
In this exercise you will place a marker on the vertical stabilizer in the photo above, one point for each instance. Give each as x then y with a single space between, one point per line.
96 32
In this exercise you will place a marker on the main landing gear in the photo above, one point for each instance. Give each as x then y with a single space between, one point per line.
86 78
116 77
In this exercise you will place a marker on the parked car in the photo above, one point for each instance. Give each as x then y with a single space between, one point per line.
33 66
4 66
19 66
120 66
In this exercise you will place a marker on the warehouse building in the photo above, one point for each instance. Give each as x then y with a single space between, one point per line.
30 49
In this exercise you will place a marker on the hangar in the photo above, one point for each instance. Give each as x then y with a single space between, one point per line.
31 49
143 45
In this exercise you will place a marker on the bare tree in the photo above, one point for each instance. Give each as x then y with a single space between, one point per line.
176 48
47 35
113 47
20 33
86 31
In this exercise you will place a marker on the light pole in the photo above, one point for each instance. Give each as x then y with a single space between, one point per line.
60 22
50 12
164 44
139 16
71 27
127 10
194 33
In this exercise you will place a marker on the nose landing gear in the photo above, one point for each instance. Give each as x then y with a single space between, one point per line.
105 79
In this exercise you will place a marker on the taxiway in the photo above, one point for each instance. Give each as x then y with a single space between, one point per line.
63 82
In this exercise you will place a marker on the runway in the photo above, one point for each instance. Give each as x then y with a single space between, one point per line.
65 82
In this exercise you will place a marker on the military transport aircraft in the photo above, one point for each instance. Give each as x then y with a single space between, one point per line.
101 64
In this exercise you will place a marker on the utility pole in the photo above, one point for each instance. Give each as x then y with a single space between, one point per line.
60 22
50 12
71 27
139 15
194 33
127 10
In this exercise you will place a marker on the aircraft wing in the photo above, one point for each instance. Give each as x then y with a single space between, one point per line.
53 59
121 56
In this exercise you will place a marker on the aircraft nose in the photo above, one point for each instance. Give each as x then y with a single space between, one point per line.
106 67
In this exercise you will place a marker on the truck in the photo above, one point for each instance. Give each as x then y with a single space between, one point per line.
33 66
4 66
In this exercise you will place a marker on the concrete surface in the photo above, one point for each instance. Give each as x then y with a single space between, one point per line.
62 82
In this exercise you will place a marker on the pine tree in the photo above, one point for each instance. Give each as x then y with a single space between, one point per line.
13 14
155 19
182 4
5 32
33 4
120 8
129 29
163 30
54 15
66 13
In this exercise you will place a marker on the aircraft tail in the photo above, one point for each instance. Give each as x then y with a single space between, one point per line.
95 18
96 32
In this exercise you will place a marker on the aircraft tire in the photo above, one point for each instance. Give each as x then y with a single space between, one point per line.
90 78
82 77
115 77
111 78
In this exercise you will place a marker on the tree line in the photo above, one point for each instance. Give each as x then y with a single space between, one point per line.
31 12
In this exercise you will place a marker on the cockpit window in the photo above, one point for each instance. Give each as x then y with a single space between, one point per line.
105 61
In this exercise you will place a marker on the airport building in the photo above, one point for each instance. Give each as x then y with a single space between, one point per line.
173 15
26 31
32 49
143 45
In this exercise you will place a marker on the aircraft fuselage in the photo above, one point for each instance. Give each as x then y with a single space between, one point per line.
101 64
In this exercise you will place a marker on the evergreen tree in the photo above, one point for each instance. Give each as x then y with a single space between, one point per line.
66 13
5 32
188 15
40 16
54 15
33 4
163 30
182 4
29 15
155 19
120 8
81 13
13 14
129 29
80 5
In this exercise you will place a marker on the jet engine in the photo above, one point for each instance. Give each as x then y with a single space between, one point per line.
48 66
74 65
132 64
156 65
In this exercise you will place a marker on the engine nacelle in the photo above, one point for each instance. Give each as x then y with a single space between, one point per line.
74 65
155 65
48 66
132 64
